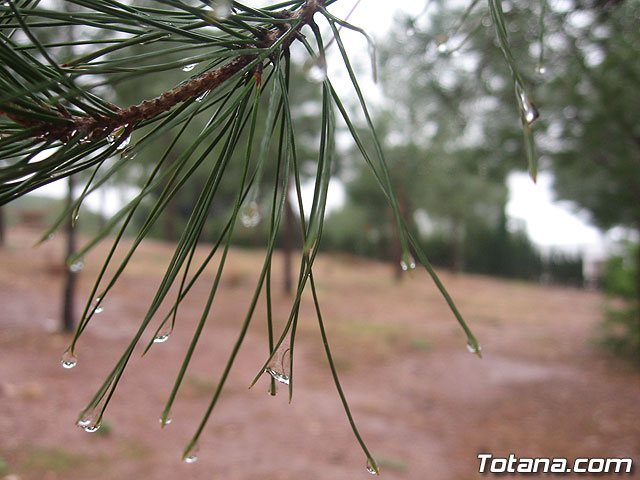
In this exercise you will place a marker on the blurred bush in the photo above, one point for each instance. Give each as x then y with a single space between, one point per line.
621 329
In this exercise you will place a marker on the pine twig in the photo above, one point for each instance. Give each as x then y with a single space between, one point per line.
99 126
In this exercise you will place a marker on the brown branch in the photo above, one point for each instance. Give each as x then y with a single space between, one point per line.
99 126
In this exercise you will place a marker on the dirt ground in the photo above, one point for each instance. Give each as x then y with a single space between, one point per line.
425 406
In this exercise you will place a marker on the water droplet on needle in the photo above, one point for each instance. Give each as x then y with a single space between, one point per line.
473 349
91 419
250 214
76 266
68 360
279 367
315 69
407 262
191 455
527 108
164 333
442 43
222 9
202 96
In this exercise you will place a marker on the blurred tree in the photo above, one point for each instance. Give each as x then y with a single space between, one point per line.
592 108
439 125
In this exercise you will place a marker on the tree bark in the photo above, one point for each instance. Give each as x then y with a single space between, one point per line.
67 324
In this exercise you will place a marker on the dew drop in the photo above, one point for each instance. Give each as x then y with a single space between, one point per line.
411 32
202 96
92 419
407 262
161 338
98 309
68 360
128 153
191 455
442 43
188 68
250 214
371 469
92 428
165 420
473 349
315 69
541 69
164 333
279 367
114 136
527 108
76 266
222 9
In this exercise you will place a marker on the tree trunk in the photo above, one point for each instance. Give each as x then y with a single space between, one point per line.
287 245
68 318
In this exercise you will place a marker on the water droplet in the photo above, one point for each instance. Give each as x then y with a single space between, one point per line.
279 367
68 360
191 455
114 136
407 262
98 309
164 333
411 32
442 43
91 419
371 469
541 69
202 96
250 214
472 349
188 68
76 266
315 69
128 154
92 428
527 108
222 9
165 420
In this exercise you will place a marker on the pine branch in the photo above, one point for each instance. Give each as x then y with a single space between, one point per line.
99 126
